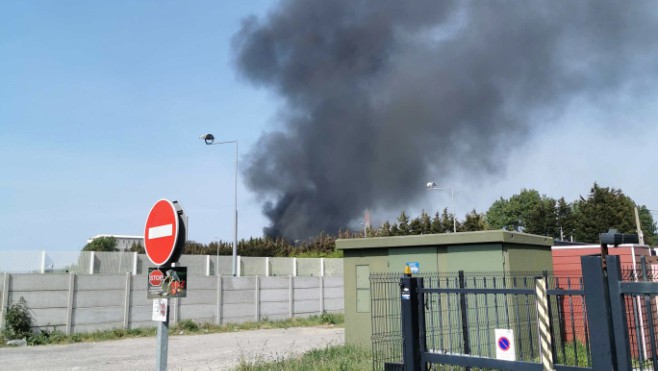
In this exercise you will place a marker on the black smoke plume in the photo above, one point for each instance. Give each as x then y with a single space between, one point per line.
381 95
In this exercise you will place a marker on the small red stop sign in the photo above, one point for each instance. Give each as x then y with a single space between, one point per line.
156 277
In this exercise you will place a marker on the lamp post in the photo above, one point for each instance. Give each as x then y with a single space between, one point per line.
432 187
210 140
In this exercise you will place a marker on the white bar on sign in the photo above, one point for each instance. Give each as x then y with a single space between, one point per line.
161 231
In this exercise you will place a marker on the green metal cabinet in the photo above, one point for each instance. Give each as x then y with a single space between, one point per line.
486 251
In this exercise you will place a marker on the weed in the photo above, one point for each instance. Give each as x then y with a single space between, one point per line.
19 321
46 336
328 318
187 326
575 354
336 358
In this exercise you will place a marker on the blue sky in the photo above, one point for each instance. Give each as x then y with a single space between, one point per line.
101 107
102 104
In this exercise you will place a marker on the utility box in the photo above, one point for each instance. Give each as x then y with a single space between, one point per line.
484 251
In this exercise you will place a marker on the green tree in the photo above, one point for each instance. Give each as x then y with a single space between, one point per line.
385 230
604 208
474 221
425 223
447 222
542 220
101 244
415 226
565 219
527 211
648 226
137 247
403 224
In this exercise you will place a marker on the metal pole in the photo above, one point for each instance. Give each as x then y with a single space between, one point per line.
454 212
433 187
209 138
411 352
235 220
162 343
640 234
463 306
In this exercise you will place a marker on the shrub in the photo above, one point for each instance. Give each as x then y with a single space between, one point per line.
328 318
19 321
187 325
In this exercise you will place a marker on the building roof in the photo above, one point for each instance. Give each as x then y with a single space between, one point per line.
460 238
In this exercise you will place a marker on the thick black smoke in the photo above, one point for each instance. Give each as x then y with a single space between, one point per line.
382 95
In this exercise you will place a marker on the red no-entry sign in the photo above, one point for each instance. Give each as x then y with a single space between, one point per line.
164 236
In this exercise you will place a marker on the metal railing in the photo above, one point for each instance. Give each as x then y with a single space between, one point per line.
462 311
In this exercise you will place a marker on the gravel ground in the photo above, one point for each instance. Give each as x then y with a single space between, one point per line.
199 352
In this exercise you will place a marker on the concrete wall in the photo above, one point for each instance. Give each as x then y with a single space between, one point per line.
117 262
86 262
82 303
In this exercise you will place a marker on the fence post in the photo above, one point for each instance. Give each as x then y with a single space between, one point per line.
257 298
135 258
43 261
620 341
69 306
126 303
543 317
5 299
91 262
599 323
321 294
291 297
464 315
411 352
218 317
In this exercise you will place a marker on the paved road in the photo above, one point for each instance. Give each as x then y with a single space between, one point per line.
199 352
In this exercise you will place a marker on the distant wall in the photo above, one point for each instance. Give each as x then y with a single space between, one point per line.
81 303
87 262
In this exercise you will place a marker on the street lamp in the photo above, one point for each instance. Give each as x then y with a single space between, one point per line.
431 186
210 140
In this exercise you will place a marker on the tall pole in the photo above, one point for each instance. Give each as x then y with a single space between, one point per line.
234 269
210 140
454 213
432 186
640 234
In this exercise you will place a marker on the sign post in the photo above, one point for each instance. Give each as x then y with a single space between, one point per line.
165 234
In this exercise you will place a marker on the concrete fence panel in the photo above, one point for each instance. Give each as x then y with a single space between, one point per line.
37 289
333 267
121 262
253 266
281 266
309 266
82 302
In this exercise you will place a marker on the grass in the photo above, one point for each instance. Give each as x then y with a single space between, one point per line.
336 358
575 354
186 327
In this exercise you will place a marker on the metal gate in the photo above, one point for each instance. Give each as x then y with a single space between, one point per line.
462 310
606 320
